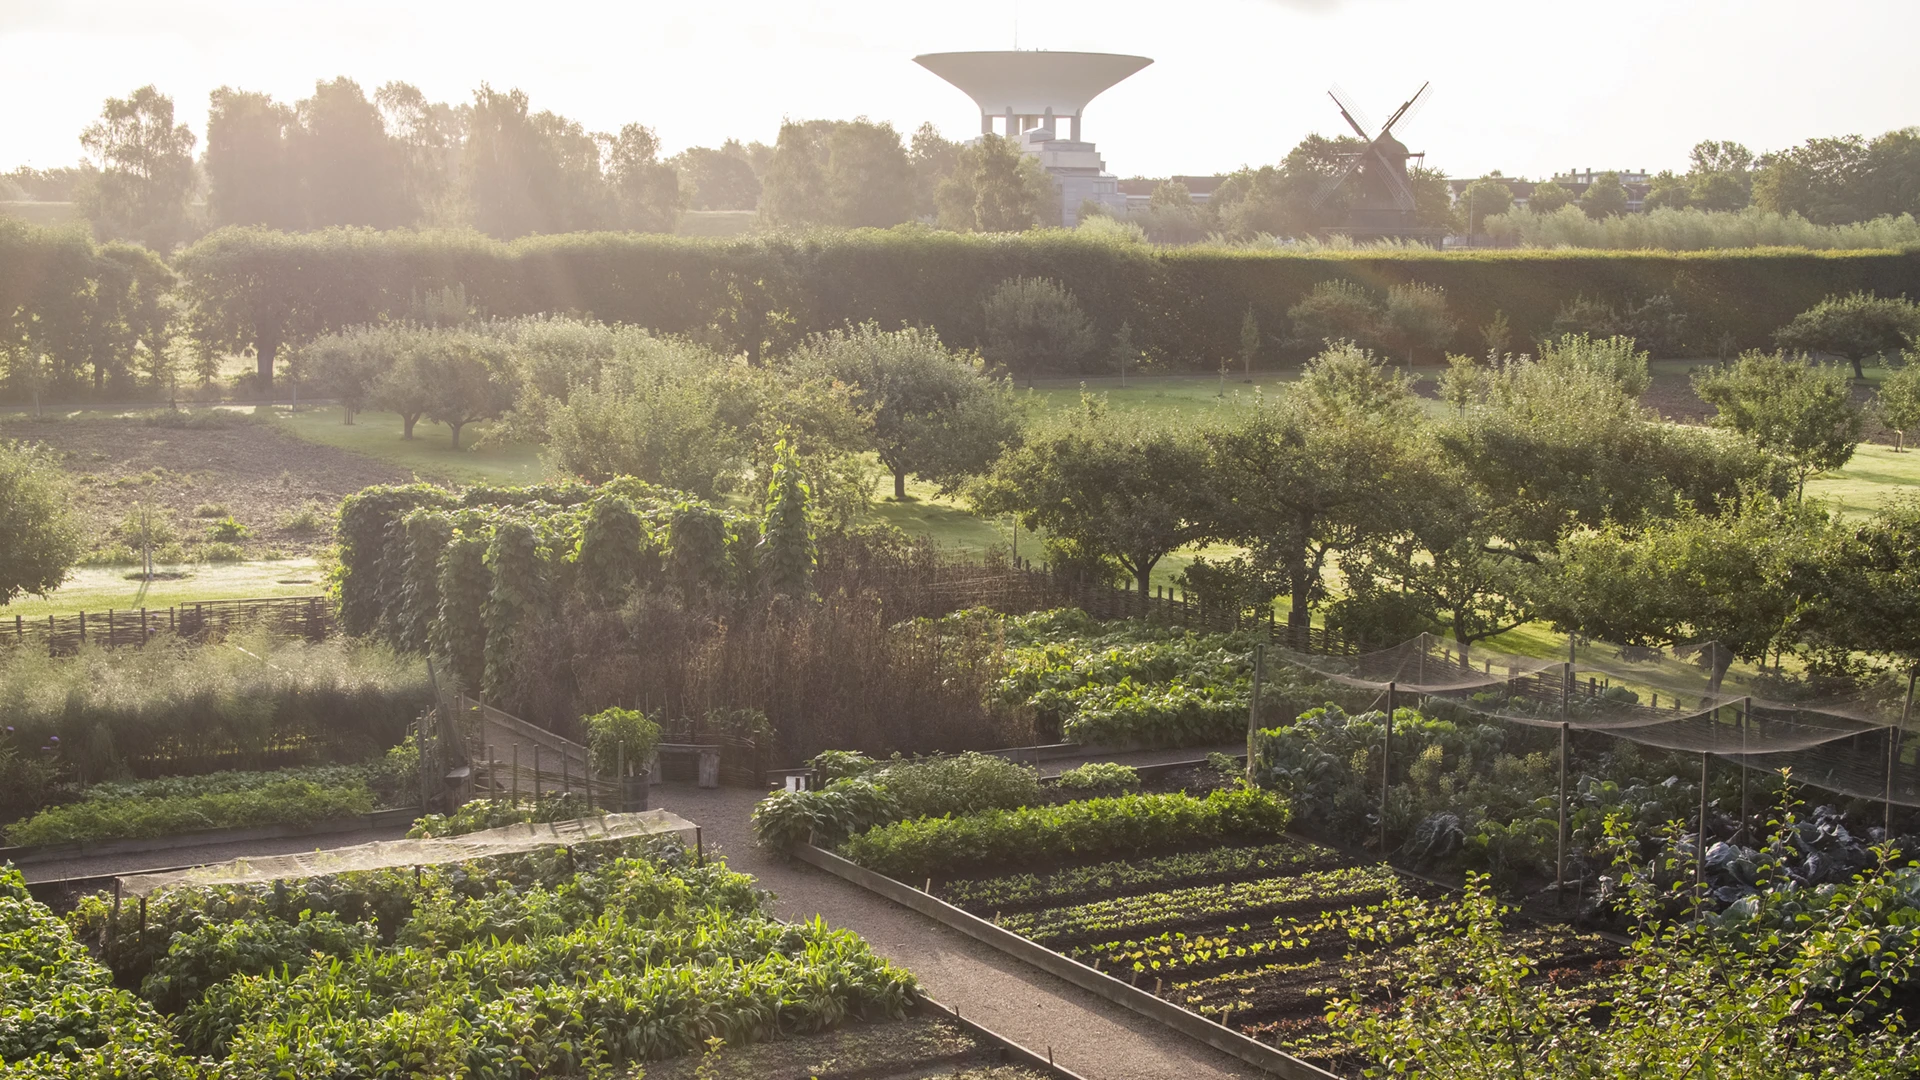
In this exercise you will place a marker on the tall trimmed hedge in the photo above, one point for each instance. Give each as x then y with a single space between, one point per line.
759 294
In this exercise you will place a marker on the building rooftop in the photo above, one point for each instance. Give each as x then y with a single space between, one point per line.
1032 83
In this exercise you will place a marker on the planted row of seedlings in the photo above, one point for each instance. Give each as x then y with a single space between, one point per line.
1259 938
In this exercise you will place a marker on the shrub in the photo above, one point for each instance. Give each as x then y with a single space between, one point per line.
218 552
227 529
1123 826
831 765
960 784
1101 776
619 735
826 816
212 510
310 519
292 802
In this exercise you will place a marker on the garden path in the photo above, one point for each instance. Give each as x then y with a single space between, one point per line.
1088 1034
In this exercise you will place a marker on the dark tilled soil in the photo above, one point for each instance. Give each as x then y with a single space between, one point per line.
257 473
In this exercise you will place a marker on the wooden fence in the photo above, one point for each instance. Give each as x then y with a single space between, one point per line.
310 617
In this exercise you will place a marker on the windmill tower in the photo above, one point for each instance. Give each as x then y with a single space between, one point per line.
1373 182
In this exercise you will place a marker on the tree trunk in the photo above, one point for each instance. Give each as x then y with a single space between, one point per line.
1859 368
266 348
407 420
456 426
348 410
1145 577
899 485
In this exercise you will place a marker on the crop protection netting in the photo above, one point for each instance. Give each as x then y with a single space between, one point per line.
1688 698
388 854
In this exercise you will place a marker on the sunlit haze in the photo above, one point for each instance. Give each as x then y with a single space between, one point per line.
1528 88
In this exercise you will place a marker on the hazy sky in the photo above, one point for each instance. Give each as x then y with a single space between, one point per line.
1527 87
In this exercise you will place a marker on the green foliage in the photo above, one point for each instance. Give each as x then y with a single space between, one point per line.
1788 406
1034 326
519 589
849 173
60 1013
288 802
1113 486
227 529
615 554
1856 326
786 566
826 816
600 962
477 815
170 706
1104 777
994 188
955 784
1897 401
831 765
39 533
1061 887
620 736
1748 994
459 634
1126 825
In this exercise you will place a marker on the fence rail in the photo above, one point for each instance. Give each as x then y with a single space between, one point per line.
310 617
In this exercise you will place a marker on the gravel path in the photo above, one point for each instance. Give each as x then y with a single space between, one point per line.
1088 1034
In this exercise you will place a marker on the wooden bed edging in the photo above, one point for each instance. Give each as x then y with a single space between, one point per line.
1008 1048
1194 1026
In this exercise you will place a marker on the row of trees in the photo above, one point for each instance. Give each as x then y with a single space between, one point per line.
395 158
1545 492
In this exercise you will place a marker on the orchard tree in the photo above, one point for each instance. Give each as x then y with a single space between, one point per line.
1898 400
145 163
1871 594
1111 486
1417 317
1035 325
346 366
1788 406
934 412
1737 578
467 377
1855 326
40 535
1316 473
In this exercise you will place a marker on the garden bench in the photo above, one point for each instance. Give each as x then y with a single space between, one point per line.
709 754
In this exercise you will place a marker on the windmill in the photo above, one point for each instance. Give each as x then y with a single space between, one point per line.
1382 202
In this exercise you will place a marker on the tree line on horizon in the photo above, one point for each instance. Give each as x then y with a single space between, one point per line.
394 158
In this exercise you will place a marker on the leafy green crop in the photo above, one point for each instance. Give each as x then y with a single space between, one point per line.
286 802
1187 868
1141 912
1094 828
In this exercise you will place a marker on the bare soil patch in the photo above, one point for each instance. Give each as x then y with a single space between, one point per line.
260 475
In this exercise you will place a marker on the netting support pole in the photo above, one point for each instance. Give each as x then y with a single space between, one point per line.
1386 770
1253 707
1700 843
1893 747
1560 863
1746 812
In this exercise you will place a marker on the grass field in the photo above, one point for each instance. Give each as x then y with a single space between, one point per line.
99 588
429 454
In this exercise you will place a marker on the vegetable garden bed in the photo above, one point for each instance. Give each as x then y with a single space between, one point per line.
1256 938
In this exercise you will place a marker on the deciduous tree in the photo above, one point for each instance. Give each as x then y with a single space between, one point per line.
1788 406
40 536
1856 326
146 169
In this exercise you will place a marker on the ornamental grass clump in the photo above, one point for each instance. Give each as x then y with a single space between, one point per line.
1119 827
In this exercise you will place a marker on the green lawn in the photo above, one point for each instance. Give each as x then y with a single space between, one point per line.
1874 476
429 453
100 588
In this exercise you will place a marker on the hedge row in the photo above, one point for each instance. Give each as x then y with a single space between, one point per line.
757 294
1124 826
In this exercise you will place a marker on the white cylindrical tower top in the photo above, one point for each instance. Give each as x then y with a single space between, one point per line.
1032 83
